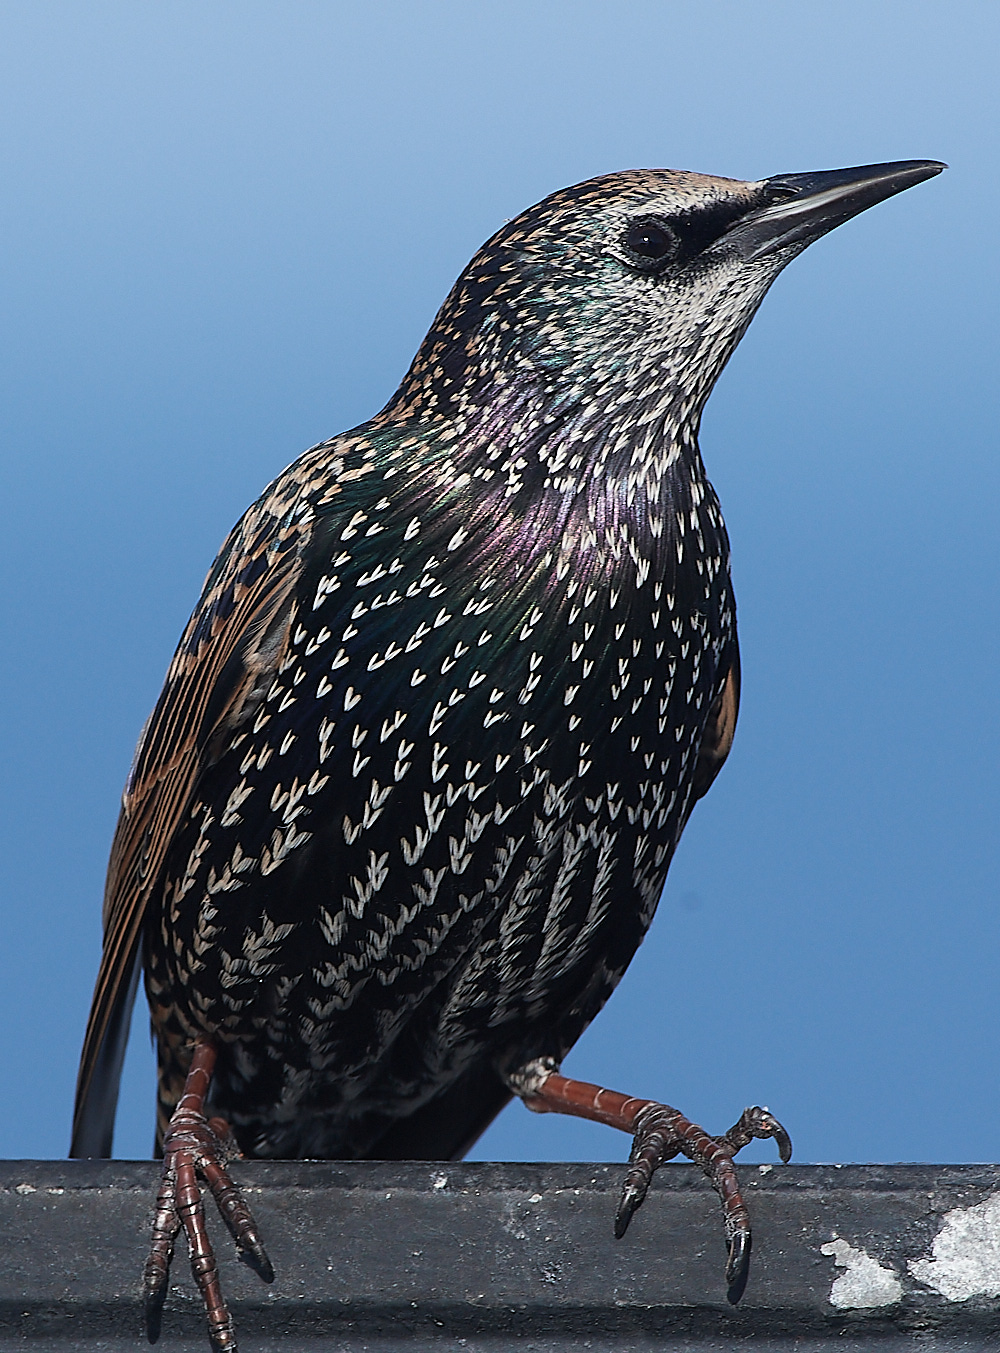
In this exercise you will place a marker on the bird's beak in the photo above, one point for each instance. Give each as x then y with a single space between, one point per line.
805 206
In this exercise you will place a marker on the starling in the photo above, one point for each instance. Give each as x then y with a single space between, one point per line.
406 804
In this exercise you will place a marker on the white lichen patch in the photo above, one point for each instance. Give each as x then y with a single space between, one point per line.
865 1284
966 1253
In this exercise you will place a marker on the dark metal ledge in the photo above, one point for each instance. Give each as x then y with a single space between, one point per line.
406 1256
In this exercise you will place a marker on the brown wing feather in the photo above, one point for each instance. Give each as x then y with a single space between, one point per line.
219 675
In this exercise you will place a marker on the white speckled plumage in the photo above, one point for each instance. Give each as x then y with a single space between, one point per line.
407 802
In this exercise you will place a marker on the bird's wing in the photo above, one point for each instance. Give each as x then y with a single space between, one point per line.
219 675
720 728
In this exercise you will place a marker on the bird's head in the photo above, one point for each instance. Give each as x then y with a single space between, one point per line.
625 293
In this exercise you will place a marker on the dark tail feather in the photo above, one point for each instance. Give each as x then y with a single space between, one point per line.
97 1100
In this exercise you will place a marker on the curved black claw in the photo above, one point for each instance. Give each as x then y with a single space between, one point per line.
760 1123
633 1193
738 1266
152 1311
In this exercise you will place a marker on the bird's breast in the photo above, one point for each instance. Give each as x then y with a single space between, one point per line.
457 799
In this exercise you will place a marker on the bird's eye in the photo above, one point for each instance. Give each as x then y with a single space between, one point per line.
650 243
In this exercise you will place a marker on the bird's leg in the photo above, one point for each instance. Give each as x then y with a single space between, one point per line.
659 1134
198 1148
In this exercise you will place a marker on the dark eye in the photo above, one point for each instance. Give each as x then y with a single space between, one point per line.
650 243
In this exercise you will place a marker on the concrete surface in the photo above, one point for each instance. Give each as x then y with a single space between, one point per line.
403 1256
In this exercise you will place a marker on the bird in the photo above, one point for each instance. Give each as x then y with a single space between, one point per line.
404 809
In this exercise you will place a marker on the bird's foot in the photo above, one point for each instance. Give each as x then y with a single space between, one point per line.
659 1134
197 1149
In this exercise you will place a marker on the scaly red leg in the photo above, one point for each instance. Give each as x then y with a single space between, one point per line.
659 1134
195 1147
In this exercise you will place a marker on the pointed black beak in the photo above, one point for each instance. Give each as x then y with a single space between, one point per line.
802 207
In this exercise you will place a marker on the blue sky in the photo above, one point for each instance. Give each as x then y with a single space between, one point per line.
225 228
